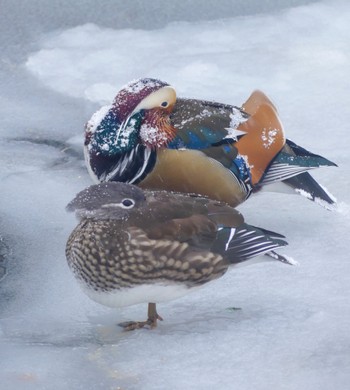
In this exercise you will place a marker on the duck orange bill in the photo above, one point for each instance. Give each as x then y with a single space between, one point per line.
265 136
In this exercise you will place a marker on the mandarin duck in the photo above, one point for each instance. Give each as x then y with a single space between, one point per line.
140 246
150 138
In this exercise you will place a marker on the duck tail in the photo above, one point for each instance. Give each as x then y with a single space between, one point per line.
246 243
272 158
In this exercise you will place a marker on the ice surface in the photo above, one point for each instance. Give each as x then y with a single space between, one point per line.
292 331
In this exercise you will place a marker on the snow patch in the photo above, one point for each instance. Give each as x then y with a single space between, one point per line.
123 136
246 159
152 136
96 119
303 193
268 137
291 261
319 201
204 114
233 133
137 85
326 205
237 117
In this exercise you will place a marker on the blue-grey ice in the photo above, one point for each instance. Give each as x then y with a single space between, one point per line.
59 63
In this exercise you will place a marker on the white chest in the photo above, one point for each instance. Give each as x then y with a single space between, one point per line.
139 294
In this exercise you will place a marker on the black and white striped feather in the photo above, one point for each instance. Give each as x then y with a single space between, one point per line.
246 241
128 167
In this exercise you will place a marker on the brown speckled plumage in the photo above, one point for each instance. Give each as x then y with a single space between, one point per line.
106 256
129 238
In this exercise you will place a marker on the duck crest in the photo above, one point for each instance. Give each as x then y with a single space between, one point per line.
265 136
133 93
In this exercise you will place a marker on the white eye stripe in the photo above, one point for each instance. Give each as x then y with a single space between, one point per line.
124 204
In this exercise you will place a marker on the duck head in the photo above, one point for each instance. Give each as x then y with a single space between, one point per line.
139 114
107 201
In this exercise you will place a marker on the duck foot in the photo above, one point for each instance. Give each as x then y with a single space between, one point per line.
151 322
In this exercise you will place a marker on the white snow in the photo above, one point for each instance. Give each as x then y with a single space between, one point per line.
151 136
137 85
124 132
96 118
321 202
268 137
292 331
237 118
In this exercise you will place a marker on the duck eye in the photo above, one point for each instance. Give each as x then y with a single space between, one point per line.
128 203
164 104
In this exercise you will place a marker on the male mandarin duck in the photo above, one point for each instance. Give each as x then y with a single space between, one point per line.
149 137
140 246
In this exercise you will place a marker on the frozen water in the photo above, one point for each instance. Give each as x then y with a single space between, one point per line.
292 329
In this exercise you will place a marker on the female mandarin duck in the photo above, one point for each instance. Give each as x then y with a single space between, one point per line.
150 138
139 246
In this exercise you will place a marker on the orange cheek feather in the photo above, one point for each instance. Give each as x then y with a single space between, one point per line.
156 130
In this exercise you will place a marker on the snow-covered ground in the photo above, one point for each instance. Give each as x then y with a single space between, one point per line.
292 329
